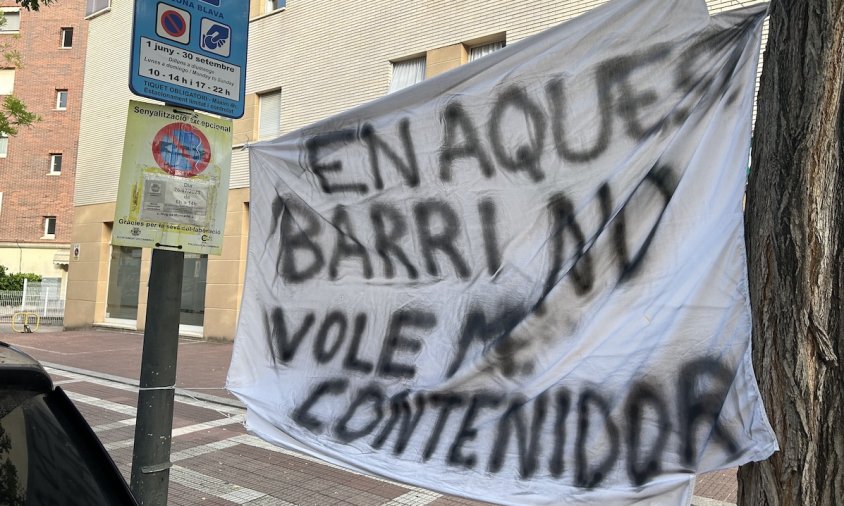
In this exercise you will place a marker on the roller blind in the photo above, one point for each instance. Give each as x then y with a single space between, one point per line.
269 122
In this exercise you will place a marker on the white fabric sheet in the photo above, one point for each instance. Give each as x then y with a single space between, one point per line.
522 281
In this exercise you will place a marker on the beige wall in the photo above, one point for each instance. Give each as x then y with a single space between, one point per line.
226 271
442 59
244 129
34 258
105 104
326 57
88 274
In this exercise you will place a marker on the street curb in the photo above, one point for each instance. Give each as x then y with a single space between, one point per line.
181 392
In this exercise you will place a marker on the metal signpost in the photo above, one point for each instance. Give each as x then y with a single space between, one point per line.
189 54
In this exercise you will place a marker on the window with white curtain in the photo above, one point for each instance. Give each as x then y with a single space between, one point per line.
406 73
11 20
7 81
269 115
274 5
95 6
481 51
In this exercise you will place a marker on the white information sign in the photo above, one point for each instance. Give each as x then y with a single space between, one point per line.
174 180
163 62
178 201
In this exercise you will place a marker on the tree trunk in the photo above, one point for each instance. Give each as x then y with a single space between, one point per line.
795 244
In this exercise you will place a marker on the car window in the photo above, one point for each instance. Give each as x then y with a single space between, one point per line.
49 455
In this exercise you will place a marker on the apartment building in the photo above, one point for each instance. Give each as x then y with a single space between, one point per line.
37 166
307 59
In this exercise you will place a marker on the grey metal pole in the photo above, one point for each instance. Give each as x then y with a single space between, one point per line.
153 431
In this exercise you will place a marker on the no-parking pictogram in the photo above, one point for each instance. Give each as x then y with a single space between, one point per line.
173 23
181 149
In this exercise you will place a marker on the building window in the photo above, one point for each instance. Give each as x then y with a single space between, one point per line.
7 81
56 163
406 73
269 115
49 227
61 100
66 38
11 21
483 50
274 5
4 145
95 6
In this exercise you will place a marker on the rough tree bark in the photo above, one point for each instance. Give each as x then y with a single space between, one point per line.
795 241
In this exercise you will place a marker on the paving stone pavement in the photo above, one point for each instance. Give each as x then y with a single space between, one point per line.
214 460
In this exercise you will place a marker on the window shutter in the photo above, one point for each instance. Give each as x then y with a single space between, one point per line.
269 123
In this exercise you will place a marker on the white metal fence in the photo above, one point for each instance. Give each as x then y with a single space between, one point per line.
44 299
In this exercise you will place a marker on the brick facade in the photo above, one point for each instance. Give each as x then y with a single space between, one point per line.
30 193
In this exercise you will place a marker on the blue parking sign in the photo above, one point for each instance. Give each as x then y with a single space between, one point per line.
191 54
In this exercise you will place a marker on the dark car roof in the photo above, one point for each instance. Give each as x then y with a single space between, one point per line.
19 370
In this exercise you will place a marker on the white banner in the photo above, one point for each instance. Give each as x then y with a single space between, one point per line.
522 281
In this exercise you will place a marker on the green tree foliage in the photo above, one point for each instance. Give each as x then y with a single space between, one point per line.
14 115
13 112
14 281
34 5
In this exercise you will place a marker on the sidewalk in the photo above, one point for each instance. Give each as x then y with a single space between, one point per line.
113 354
201 371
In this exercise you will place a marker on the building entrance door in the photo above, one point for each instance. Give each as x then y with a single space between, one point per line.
124 279
192 314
